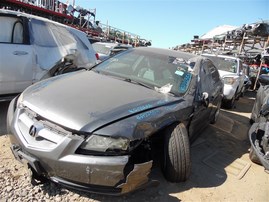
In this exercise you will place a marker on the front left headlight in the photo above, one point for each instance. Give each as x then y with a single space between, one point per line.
19 101
103 143
229 80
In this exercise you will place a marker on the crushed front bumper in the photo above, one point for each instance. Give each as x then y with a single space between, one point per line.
137 178
56 159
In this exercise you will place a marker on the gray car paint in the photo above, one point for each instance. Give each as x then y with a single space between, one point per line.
87 102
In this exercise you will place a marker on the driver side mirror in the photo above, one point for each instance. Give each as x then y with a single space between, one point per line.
205 99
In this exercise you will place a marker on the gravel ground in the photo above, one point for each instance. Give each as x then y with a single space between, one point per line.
15 185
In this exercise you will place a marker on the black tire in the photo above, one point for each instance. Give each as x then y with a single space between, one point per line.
229 103
253 157
176 162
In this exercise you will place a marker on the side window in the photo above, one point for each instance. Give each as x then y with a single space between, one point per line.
17 36
214 72
11 30
205 77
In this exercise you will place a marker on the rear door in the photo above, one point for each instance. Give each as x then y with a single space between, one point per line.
16 55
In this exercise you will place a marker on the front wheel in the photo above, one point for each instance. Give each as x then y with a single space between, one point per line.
229 103
176 162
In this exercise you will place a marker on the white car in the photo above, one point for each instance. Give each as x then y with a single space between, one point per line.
34 48
107 49
232 73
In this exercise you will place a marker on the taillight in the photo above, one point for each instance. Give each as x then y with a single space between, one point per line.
97 56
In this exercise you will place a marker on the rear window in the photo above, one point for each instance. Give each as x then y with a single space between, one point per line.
101 48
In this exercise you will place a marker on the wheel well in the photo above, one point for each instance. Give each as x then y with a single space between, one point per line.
151 148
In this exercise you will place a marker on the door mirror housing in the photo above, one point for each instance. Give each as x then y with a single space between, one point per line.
205 99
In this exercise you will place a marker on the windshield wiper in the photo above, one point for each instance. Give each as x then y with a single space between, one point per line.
138 83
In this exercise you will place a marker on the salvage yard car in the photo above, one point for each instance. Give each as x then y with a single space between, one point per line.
259 131
98 130
233 75
34 48
106 50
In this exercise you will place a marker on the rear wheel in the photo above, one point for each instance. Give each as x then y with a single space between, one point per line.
176 162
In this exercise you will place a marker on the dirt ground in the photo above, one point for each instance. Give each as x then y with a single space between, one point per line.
221 168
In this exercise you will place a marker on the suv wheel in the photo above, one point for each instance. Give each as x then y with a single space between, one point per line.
176 162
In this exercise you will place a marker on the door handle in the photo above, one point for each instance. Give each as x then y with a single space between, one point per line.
20 53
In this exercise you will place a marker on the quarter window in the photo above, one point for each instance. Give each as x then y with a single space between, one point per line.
11 30
214 72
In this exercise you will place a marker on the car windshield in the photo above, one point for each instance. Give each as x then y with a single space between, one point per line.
163 73
101 48
225 64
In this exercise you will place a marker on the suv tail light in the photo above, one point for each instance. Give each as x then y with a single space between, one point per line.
97 56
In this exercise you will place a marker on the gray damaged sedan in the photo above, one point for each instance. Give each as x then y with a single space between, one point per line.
102 130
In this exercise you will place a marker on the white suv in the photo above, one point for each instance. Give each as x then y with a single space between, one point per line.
33 48
232 73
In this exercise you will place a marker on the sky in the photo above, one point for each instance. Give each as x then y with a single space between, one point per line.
168 23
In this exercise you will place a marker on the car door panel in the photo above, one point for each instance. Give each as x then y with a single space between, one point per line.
201 115
16 67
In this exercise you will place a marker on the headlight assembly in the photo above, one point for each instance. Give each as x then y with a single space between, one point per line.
19 101
229 80
104 143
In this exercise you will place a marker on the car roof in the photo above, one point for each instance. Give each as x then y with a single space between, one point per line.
168 52
20 14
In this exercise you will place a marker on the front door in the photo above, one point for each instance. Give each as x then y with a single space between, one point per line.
16 56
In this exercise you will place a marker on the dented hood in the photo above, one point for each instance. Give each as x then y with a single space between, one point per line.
87 98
